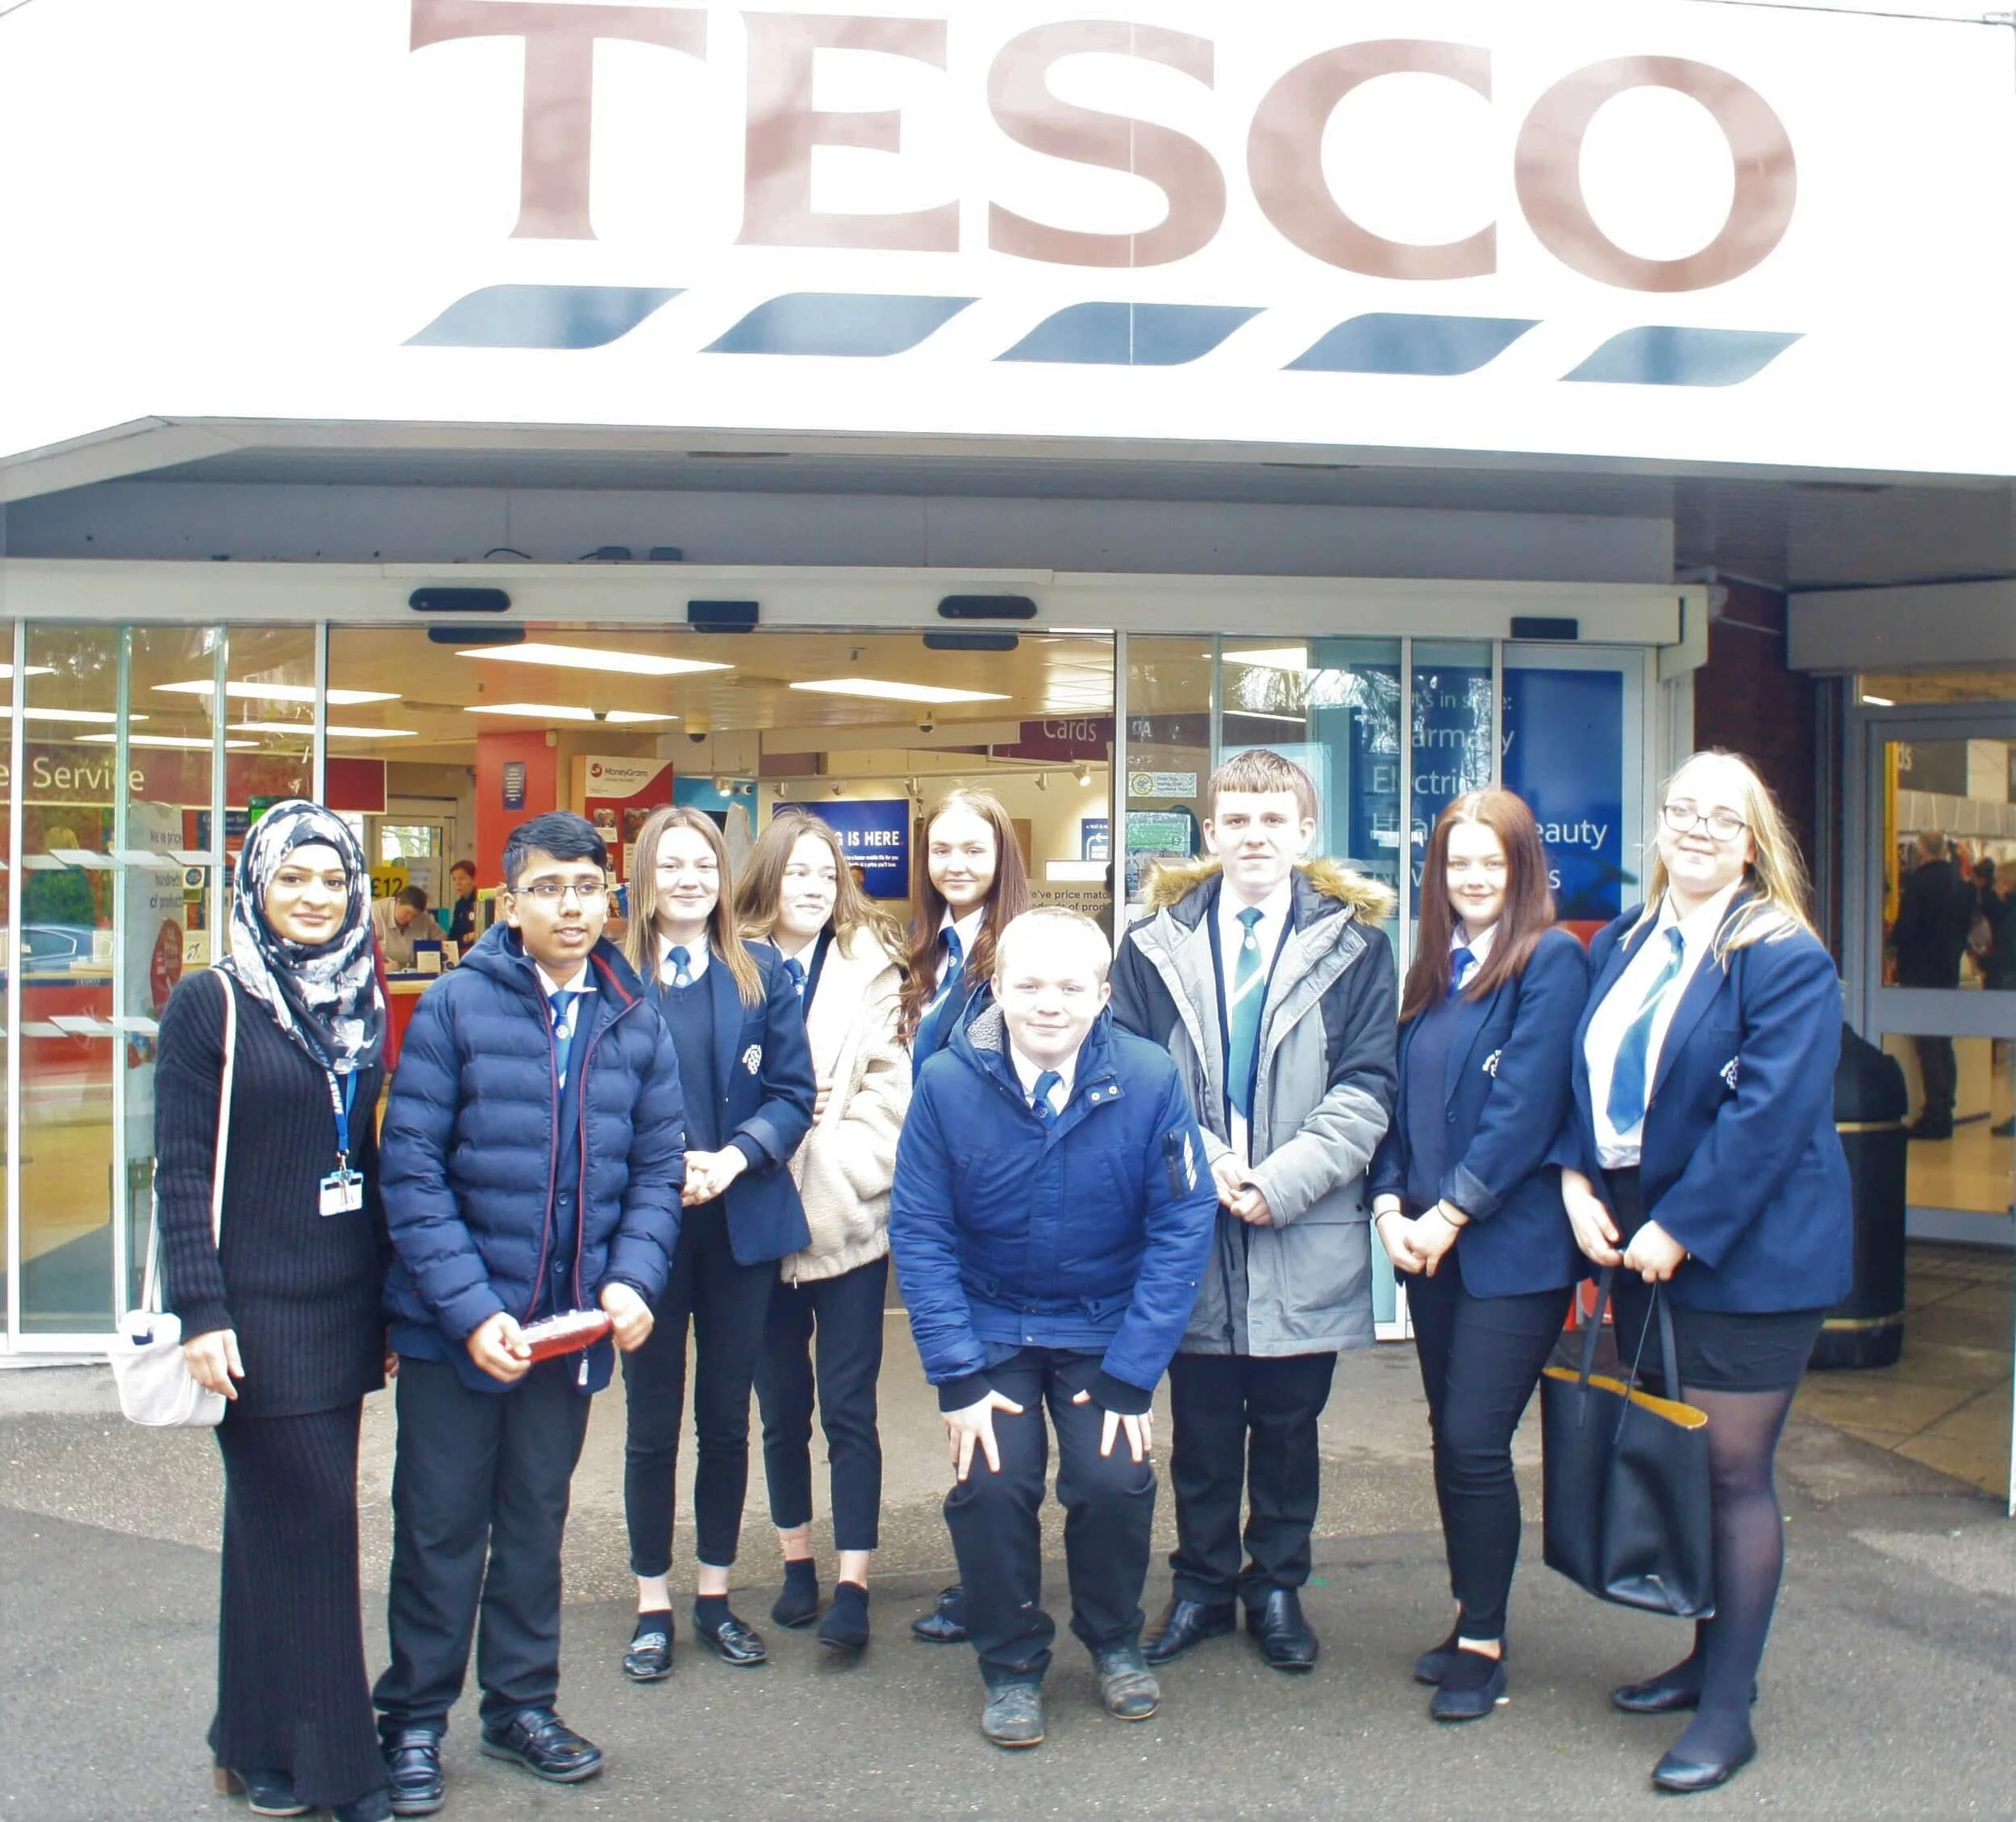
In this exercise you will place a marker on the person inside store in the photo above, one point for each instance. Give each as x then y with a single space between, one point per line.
1025 1290
532 1153
969 882
733 1013
1935 910
1702 1164
400 922
823 1339
1466 1204
282 1311
462 930
1268 978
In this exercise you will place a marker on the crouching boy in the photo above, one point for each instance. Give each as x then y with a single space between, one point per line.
1050 1216
532 1156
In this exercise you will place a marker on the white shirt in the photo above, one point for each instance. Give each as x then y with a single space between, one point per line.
967 929
1026 1072
1274 910
1480 946
696 960
1616 1150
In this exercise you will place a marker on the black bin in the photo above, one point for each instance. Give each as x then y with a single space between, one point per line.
1866 1327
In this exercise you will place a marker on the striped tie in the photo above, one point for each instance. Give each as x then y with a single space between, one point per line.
1249 991
1625 1106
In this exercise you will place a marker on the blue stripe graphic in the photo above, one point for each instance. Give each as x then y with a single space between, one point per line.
854 324
1129 335
541 316
1656 354
1391 341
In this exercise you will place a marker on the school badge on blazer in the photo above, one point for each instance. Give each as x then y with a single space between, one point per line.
752 1058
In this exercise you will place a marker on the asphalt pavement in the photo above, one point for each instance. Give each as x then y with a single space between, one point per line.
1889 1690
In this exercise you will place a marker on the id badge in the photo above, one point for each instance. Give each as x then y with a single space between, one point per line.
343 1192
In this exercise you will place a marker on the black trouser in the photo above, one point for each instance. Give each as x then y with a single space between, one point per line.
292 1695
1481 1358
1109 1503
479 1507
1939 1072
842 1318
1244 1424
725 1303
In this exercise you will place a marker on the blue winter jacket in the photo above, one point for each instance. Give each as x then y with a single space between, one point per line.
469 1152
1090 1234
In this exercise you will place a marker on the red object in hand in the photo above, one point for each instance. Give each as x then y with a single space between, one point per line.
578 1328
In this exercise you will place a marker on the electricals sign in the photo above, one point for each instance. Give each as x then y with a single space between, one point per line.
1662 230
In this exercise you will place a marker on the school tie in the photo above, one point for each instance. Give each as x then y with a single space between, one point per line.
955 965
1047 1084
563 1004
1249 990
1625 1106
681 958
1460 961
794 967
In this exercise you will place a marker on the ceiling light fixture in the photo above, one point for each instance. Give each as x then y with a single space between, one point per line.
589 658
1880 702
89 718
306 729
175 742
6 671
562 711
882 690
1085 776
1042 781
1278 658
242 692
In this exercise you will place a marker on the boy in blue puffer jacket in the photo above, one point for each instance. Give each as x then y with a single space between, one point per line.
532 1156
1050 1216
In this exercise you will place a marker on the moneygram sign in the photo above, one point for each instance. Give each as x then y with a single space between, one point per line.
1662 230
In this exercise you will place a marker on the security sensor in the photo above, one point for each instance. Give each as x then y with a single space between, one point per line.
696 736
927 725
600 714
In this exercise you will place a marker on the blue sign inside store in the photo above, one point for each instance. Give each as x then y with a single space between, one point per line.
1564 754
875 835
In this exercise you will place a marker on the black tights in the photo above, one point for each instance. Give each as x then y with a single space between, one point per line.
1750 1554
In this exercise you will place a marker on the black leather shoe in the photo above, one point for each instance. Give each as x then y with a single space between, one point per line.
538 1740
1013 1716
946 1623
1685 1776
1471 1691
1285 1641
1127 1688
268 1793
1184 1624
375 1806
413 1759
1662 1695
735 1642
648 1658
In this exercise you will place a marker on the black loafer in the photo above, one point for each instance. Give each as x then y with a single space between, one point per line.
946 1623
1432 1666
648 1658
1683 1777
1285 1641
1661 1694
413 1761
1184 1624
538 1740
1471 1691
735 1642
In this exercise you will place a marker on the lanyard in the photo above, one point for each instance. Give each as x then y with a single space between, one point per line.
341 1096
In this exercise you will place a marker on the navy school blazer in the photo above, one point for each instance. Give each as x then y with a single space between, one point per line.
1505 1094
764 1065
1741 1163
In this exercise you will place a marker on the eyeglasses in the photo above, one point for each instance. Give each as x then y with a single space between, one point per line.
1722 824
553 892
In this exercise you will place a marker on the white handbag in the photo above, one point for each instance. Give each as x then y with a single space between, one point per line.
155 1385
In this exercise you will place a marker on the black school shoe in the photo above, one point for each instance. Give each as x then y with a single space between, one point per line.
1286 1640
648 1658
1475 1685
734 1642
946 1623
413 1762
538 1740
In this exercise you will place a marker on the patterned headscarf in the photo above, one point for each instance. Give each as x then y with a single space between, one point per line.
324 995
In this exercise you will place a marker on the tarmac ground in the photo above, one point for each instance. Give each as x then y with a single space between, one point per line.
1889 1689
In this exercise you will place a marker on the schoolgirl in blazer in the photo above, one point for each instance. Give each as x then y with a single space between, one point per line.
968 885
1488 1020
745 1071
1700 1155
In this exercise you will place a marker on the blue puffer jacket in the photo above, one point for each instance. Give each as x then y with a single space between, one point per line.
1091 1234
468 1151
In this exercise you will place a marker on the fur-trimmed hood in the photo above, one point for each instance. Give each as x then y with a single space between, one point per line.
1169 882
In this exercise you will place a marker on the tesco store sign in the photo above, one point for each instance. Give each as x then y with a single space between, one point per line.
1666 230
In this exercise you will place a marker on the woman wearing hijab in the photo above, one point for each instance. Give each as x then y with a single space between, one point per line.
282 1312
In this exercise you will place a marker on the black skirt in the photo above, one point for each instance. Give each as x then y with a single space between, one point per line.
1719 1350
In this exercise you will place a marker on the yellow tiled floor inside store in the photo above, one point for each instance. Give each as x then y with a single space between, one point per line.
1946 1403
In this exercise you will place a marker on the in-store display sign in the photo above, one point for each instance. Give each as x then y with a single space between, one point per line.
874 834
1161 784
